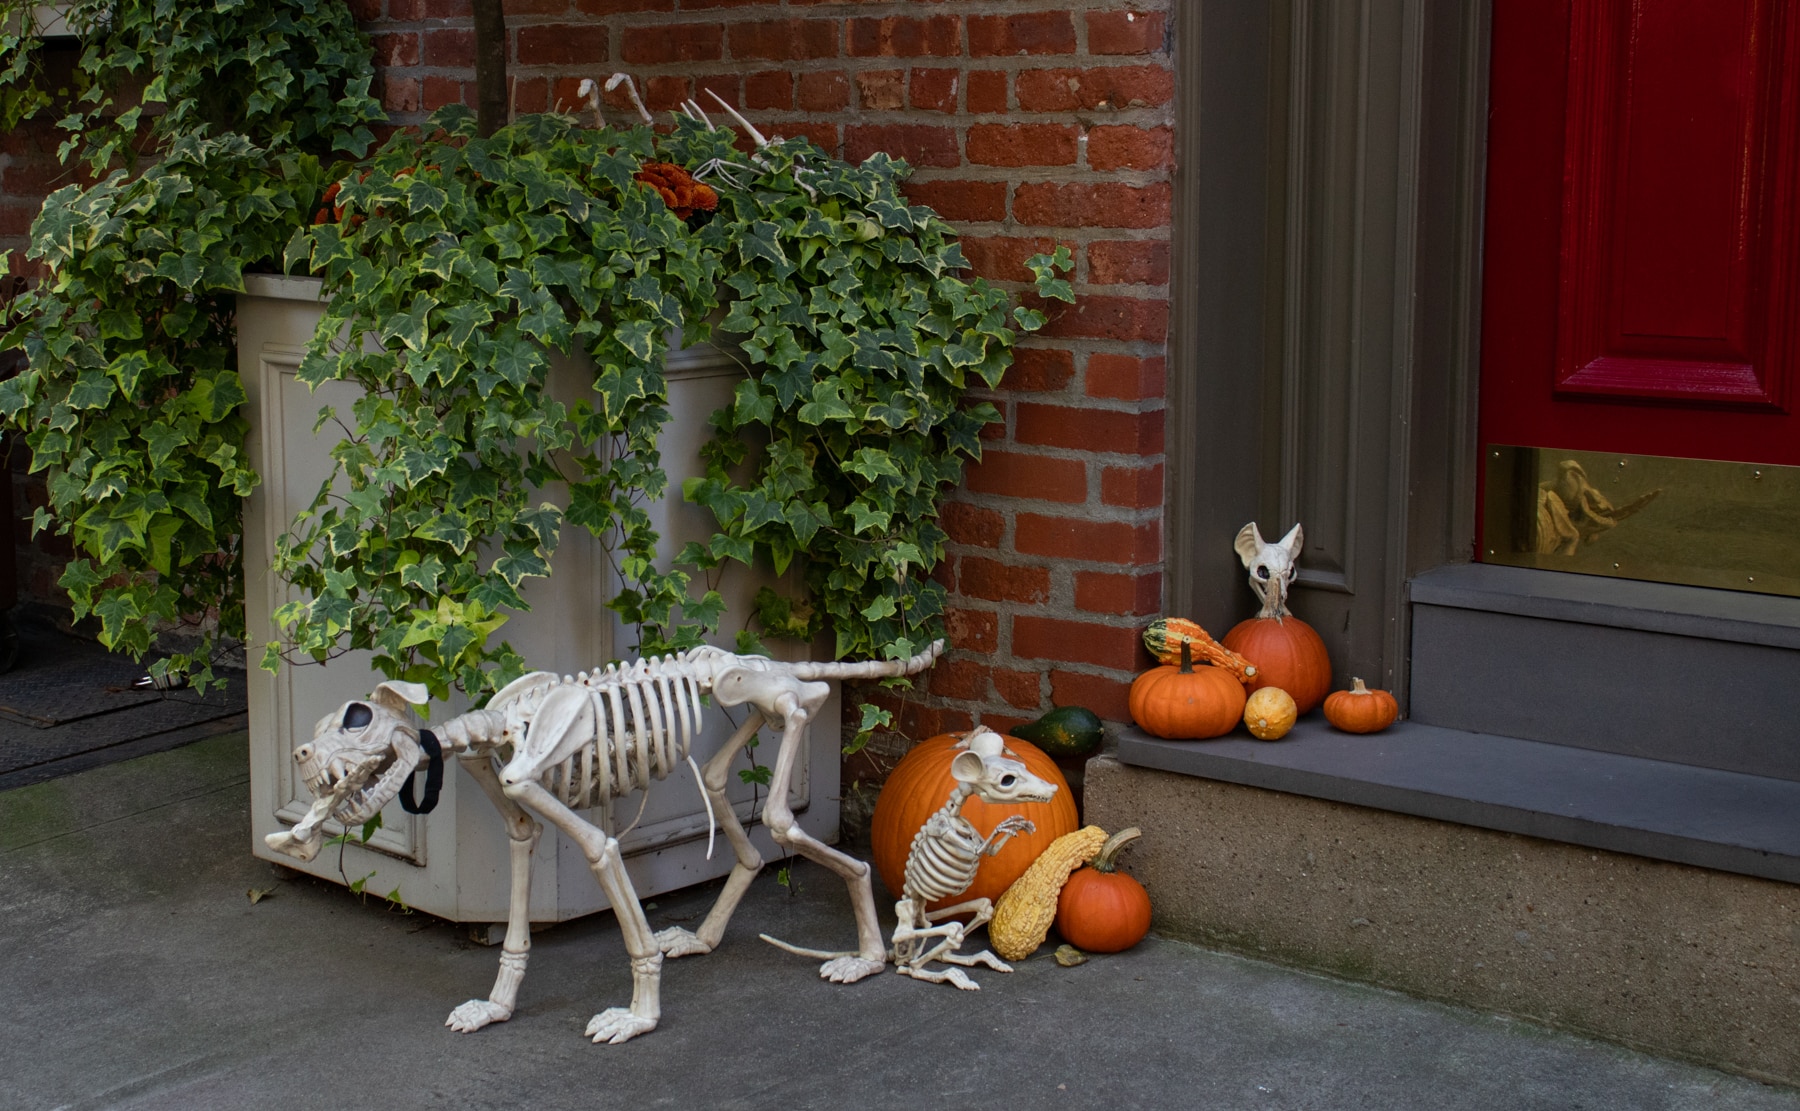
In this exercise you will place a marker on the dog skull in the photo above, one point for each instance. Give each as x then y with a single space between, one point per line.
359 758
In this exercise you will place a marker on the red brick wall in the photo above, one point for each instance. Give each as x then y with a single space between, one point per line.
1028 124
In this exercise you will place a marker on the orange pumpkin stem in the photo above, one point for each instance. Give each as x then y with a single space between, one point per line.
1107 859
1358 687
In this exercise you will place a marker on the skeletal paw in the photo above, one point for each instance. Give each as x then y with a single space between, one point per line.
961 979
475 1014
678 942
618 1024
848 970
1016 823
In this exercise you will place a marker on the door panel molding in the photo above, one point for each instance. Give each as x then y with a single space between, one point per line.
1327 274
1679 157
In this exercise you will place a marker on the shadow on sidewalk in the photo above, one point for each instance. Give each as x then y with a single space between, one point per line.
68 705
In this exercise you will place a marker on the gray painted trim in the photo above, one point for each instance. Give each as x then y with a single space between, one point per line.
1180 476
1276 284
1723 820
1219 331
1691 611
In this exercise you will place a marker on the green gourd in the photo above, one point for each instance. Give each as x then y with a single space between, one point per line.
1064 731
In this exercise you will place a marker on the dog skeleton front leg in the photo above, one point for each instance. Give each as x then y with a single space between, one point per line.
523 833
567 717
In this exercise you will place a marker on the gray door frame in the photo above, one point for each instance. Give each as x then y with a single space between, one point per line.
1324 341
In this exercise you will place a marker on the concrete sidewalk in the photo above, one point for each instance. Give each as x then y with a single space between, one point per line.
137 974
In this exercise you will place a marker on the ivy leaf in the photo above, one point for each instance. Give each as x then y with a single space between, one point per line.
805 519
15 395
750 405
182 269
464 317
513 359
411 327
217 397
163 441
423 573
762 241
892 212
116 610
448 528
92 390
519 562
545 522
120 324
872 463
79 579
127 369
194 505
423 196
867 516
638 337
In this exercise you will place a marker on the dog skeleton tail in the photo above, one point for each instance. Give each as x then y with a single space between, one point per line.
817 954
868 669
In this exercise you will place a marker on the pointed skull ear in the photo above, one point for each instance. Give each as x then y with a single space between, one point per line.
399 697
1292 542
1248 543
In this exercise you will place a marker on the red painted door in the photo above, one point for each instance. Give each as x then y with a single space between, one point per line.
1640 256
1640 285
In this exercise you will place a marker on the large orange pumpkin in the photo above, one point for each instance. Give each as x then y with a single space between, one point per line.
1287 654
920 785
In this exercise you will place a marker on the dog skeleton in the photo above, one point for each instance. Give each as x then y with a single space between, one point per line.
943 860
567 743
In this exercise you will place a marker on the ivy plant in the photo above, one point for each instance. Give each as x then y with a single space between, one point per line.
130 401
458 268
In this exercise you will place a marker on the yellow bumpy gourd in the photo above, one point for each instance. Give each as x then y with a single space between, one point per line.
1022 917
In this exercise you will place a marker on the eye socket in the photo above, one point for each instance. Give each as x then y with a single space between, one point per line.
1262 572
357 715
1008 780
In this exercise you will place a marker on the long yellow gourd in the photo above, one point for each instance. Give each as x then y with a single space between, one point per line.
1022 917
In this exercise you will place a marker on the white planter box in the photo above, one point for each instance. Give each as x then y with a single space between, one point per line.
453 862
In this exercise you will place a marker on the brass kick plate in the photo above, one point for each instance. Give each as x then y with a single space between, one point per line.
1701 522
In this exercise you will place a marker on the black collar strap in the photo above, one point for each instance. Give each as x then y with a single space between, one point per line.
434 776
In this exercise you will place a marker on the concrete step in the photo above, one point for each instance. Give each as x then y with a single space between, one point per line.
1672 673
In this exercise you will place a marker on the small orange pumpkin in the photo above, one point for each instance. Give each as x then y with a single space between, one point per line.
1361 710
1103 910
1186 703
1287 654
920 785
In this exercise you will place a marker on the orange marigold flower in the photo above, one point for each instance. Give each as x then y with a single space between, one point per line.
678 188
